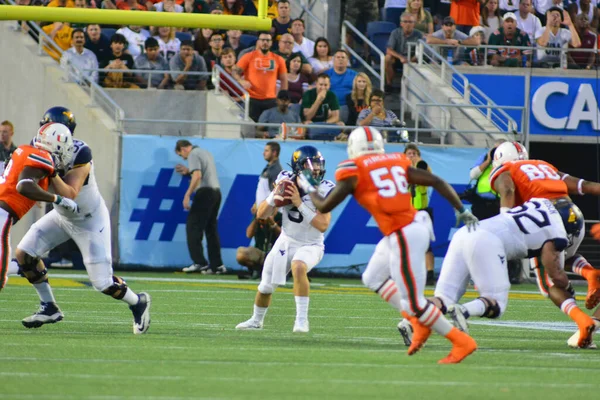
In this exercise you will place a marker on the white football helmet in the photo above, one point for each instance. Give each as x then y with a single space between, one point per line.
365 140
56 139
509 151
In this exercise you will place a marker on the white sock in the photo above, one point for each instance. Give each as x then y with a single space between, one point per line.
301 308
13 267
45 292
433 318
475 308
259 313
389 293
131 298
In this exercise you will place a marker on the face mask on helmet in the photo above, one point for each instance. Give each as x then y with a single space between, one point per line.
56 139
509 151
317 166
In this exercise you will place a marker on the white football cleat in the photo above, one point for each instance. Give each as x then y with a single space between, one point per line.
301 327
141 314
406 331
251 324
459 315
573 340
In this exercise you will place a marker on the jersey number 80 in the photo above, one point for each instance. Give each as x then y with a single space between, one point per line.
542 171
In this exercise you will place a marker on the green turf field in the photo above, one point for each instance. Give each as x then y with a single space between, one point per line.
353 351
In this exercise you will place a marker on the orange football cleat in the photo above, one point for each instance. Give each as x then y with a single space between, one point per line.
593 295
463 346
420 333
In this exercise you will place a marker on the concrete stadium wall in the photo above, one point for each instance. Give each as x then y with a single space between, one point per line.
31 84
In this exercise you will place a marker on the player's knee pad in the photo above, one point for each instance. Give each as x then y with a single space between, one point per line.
492 308
266 288
117 290
34 270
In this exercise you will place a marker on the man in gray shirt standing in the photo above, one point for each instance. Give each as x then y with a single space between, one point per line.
203 210
396 54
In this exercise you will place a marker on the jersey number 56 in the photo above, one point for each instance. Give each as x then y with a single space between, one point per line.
390 181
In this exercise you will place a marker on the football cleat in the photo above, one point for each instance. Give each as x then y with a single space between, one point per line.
574 339
141 314
196 268
251 324
406 331
593 295
462 346
459 315
221 270
301 326
48 313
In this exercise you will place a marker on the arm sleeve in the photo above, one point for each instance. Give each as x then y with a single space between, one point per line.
244 62
40 161
475 172
345 170
194 163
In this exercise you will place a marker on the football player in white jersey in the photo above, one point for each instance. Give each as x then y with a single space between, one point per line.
540 227
299 247
90 229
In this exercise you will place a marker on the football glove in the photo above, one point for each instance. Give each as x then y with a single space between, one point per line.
307 182
67 204
468 219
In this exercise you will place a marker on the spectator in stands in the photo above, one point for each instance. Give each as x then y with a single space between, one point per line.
394 9
588 8
277 115
466 14
476 55
168 6
188 61
322 60
212 56
98 43
423 18
130 5
358 99
553 36
227 62
136 37
342 77
80 57
233 7
580 59
302 44
397 48
233 41
153 60
201 42
449 36
297 82
80 4
511 36
260 69
62 3
509 6
168 43
7 131
542 7
283 23
119 60
526 21
249 50
321 104
60 33
286 48
196 6
377 115
420 201
251 8
216 8
491 19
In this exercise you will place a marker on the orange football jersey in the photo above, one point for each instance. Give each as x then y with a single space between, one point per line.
382 188
532 178
23 156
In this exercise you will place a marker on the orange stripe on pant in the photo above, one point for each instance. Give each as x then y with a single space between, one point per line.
407 274
5 249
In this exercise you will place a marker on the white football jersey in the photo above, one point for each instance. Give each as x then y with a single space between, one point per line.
168 50
525 229
89 198
294 226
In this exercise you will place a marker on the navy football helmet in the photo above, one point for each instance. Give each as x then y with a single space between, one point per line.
308 157
61 115
572 218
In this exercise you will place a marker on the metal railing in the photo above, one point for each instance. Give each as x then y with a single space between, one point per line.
218 71
379 75
306 7
428 58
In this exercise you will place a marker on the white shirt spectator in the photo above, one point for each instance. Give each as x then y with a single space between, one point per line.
307 47
84 60
509 5
493 24
561 39
529 25
161 7
136 40
320 66
168 50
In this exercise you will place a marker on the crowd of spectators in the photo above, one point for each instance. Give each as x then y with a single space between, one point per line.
316 80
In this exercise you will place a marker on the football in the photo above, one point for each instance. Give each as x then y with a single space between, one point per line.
279 197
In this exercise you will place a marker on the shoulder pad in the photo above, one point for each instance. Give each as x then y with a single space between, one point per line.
284 175
83 155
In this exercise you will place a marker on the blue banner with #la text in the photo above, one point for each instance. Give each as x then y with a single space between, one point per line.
152 218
